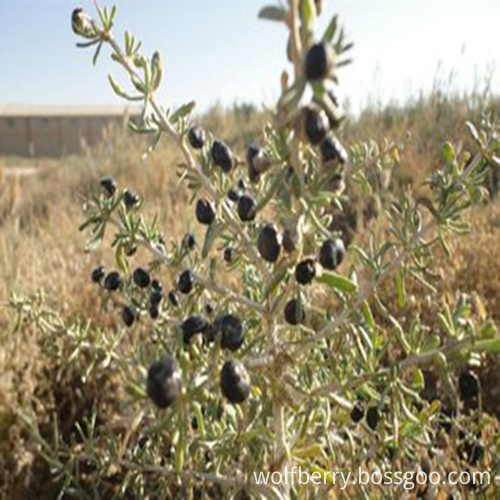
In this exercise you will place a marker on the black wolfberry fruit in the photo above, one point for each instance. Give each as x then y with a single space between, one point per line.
186 281
97 274
130 250
331 253
112 281
141 277
469 385
269 244
205 212
156 296
253 152
294 312
164 382
156 285
172 298
128 315
232 333
222 156
228 255
319 61
130 198
332 150
209 309
193 326
247 208
372 417
233 195
109 186
234 381
189 241
357 412
154 310
241 185
196 137
305 271
315 124
472 451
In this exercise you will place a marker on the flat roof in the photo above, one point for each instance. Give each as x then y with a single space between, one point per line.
43 110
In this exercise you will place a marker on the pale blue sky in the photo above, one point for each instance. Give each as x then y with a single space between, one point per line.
218 50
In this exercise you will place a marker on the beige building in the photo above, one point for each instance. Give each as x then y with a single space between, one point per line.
54 131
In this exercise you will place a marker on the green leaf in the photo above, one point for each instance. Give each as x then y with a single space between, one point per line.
182 112
400 287
210 237
272 13
337 282
367 313
491 346
330 30
449 154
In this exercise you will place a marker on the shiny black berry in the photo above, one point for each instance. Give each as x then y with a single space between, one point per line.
205 212
294 312
269 243
189 241
186 281
372 417
234 381
469 385
333 151
164 382
315 124
154 310
253 152
319 62
97 274
130 198
229 255
141 277
196 137
357 412
172 298
193 326
222 156
332 253
156 296
247 208
305 271
112 281
109 186
232 333
128 315
233 195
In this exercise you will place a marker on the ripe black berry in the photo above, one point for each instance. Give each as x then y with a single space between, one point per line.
332 150
269 244
372 417
128 315
109 186
196 137
172 298
253 173
232 334
209 309
186 281
164 382
319 61
189 241
205 212
192 326
315 124
357 412
97 274
112 281
141 277
154 310
222 156
332 253
305 271
233 195
294 312
469 385
247 208
234 381
228 255
156 296
130 198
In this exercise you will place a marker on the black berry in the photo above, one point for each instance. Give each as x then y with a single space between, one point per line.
193 326
305 271
164 382
130 198
186 281
209 309
156 296
154 310
228 255
333 151
141 277
319 62
269 244
196 137
233 195
189 241
232 334
469 385
294 312
112 281
128 315
372 417
357 412
156 285
247 208
172 298
315 124
253 173
97 274
109 186
205 212
331 253
222 156
234 381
